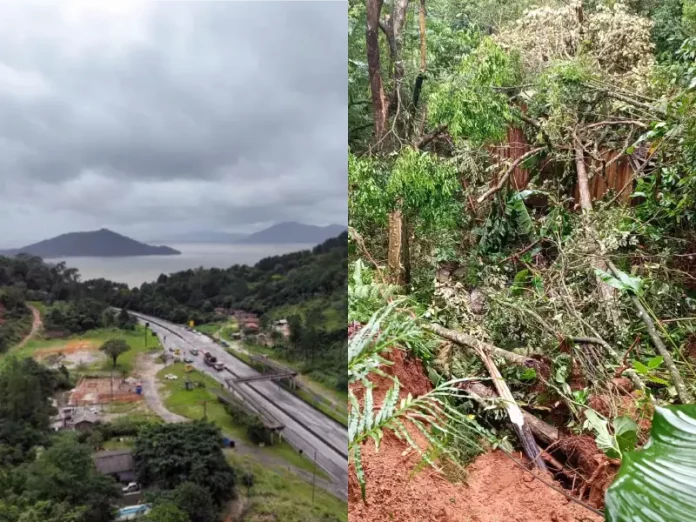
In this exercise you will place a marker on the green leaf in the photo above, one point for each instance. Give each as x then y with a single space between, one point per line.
658 483
655 362
605 441
529 374
658 380
625 433
624 282
641 368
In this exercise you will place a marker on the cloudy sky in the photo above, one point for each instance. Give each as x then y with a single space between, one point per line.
158 118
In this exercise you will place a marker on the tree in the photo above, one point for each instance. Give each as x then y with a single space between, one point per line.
195 501
168 455
166 511
296 328
113 348
65 472
125 320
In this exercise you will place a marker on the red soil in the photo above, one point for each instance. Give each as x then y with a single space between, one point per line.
101 391
495 490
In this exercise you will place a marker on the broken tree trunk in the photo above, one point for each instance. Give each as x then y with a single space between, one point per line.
522 429
398 260
541 430
607 294
468 340
682 392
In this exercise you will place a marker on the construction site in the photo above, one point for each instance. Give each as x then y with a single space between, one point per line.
104 390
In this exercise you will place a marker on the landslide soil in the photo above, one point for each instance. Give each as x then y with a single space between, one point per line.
400 489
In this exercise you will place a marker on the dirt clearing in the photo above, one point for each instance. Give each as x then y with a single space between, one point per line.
104 390
72 354
495 490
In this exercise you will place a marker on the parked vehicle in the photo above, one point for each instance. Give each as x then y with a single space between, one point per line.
219 366
194 351
188 360
132 487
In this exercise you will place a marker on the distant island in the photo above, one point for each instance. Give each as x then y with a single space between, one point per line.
292 232
99 243
288 232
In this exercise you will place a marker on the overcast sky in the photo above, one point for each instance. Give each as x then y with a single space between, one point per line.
158 118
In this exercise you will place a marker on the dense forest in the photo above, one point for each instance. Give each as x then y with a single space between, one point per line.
271 283
274 282
522 207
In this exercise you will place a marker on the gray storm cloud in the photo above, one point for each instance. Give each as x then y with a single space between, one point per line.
150 116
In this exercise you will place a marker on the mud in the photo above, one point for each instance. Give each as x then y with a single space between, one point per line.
399 488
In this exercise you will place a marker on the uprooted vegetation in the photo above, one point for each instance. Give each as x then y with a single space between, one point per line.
523 225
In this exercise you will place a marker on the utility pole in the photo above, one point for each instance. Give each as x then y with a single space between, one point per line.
314 475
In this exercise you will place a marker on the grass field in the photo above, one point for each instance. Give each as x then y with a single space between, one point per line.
209 328
332 317
282 496
136 339
225 329
194 403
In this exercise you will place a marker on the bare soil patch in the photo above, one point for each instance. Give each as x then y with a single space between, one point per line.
399 489
104 390
68 348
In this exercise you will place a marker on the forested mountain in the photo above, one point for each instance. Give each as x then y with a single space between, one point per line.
291 232
99 243
523 192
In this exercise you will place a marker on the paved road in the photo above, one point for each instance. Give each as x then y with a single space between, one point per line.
147 371
305 427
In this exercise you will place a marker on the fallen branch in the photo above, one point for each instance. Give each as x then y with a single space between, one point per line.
524 433
468 340
541 430
682 392
615 356
430 137
522 252
506 175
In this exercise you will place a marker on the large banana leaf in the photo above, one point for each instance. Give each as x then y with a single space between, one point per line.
658 483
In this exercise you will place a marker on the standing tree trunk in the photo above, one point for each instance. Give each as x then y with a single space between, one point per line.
398 257
380 106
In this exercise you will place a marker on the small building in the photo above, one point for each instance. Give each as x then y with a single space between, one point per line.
84 420
250 325
283 327
117 464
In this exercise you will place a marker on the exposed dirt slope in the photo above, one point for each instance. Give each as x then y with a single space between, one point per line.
495 490
35 325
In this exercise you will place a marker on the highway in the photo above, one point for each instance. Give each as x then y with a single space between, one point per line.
305 427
